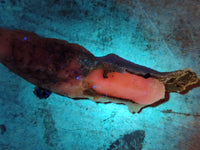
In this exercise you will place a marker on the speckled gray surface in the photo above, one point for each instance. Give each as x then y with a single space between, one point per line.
163 35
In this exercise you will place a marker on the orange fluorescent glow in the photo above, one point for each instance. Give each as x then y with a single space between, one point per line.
126 86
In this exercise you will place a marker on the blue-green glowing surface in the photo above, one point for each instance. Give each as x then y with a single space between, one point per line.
140 32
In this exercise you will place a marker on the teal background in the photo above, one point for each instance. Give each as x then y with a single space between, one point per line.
163 35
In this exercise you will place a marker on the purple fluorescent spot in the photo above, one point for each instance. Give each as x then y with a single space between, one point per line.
25 38
94 87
